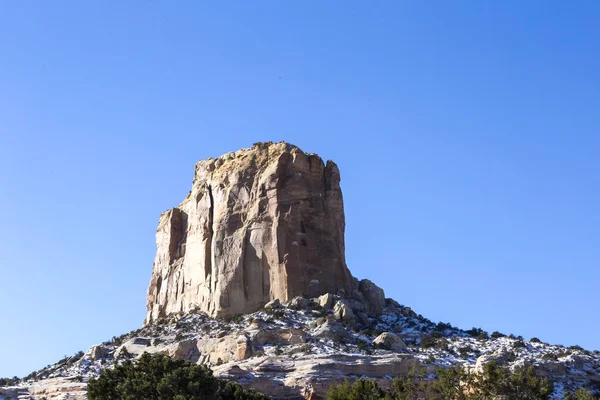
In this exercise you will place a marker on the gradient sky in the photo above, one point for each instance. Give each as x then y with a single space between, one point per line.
467 134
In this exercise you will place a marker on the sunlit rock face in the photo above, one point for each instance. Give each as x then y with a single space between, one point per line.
259 224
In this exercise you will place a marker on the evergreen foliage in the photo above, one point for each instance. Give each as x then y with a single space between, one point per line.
452 383
157 377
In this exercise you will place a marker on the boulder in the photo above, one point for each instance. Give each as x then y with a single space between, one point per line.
363 318
275 303
335 331
374 297
501 356
519 364
326 301
135 346
185 350
281 337
389 341
234 347
97 352
342 311
300 303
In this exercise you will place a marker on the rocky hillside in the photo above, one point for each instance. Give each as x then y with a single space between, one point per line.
250 278
297 349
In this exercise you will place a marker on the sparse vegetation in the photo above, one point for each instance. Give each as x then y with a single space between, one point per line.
276 313
464 352
474 332
496 335
9 381
519 344
581 394
452 383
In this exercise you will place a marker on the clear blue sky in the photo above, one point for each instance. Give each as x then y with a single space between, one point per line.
467 133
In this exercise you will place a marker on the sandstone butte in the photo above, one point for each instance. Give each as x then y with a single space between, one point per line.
261 233
259 224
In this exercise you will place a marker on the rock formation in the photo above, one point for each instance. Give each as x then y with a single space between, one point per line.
261 233
259 224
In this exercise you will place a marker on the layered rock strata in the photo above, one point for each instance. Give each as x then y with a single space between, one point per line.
259 224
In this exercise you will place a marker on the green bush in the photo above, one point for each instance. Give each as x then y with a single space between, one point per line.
581 394
475 332
549 357
362 345
464 352
362 389
157 377
428 342
9 381
452 383
496 335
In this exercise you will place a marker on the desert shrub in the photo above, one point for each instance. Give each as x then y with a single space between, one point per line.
362 389
362 345
442 326
511 336
563 353
124 354
496 335
474 332
118 340
452 383
436 334
483 336
522 384
519 344
156 377
535 340
428 341
408 387
442 344
9 381
576 347
464 351
581 394
411 323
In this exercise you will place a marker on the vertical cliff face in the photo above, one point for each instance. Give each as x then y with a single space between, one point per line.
259 224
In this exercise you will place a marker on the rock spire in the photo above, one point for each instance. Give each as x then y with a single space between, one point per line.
259 224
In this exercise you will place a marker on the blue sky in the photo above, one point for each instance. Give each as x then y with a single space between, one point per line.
467 134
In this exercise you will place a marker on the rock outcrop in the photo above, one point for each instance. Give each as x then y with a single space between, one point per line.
389 341
259 224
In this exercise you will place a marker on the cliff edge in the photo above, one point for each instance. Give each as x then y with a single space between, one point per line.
259 224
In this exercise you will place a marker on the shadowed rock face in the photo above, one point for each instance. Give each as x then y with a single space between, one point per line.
259 224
